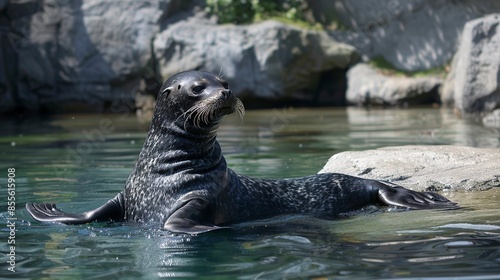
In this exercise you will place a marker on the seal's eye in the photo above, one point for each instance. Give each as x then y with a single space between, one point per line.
225 84
198 89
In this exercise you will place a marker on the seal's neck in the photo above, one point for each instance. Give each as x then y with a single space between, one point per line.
171 148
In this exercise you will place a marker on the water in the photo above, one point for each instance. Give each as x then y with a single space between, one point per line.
81 161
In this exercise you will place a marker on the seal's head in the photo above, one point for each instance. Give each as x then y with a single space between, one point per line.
196 99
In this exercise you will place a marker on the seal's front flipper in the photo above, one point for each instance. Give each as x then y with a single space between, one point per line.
189 218
399 196
113 210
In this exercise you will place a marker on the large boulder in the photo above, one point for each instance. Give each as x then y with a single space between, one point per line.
268 60
473 84
368 86
91 51
423 167
411 35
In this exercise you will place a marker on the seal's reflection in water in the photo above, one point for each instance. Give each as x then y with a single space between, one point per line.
277 248
298 245
261 246
288 248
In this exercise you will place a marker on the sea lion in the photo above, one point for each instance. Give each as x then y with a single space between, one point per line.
181 182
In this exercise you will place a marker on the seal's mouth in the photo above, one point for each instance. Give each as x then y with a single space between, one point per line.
226 110
234 105
239 109
211 111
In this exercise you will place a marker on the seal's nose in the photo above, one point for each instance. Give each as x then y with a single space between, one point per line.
226 93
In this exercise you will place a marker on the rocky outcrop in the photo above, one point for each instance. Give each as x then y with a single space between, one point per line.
90 51
368 86
267 60
411 34
473 85
423 167
421 34
97 52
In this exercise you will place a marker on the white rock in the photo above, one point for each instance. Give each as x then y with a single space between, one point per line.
474 80
366 86
423 167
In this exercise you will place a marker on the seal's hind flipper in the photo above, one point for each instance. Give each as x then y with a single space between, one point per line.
189 219
399 196
112 210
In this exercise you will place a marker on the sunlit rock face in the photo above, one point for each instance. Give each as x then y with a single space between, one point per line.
412 35
98 52
60 51
368 86
473 85
268 60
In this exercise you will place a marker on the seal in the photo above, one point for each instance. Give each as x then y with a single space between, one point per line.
181 181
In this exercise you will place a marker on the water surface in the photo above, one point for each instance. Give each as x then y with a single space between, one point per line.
81 161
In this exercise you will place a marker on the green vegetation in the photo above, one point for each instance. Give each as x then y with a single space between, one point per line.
247 11
386 68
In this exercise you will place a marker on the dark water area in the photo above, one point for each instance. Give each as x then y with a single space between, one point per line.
81 161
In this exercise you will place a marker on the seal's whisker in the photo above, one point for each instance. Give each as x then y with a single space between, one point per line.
197 117
221 75
191 113
186 114
206 115
240 112
202 116
240 109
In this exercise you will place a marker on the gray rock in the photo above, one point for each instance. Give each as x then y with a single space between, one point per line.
474 80
367 86
267 59
423 167
119 37
492 119
410 34
7 61
89 51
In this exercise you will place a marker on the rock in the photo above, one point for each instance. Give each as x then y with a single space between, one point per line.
7 64
268 60
423 167
97 52
119 36
412 35
492 119
367 86
89 51
475 75
15 23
